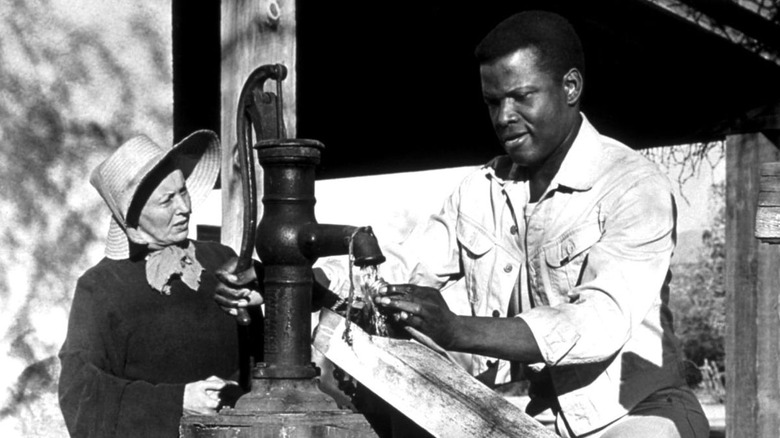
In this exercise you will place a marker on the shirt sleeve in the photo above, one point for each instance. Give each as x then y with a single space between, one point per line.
94 401
623 279
430 256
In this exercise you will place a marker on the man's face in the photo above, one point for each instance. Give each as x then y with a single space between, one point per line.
528 107
165 217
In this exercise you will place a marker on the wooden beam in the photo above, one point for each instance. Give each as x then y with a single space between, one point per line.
430 390
731 13
254 33
752 285
712 25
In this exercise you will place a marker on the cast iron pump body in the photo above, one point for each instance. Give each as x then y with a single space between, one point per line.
289 239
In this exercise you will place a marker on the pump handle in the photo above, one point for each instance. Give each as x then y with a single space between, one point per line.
253 110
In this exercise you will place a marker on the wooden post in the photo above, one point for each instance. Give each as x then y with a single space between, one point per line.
752 286
254 33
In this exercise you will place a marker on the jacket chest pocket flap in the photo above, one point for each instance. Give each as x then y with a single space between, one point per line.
477 260
569 247
473 238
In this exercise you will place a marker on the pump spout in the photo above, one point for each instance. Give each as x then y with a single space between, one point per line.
323 240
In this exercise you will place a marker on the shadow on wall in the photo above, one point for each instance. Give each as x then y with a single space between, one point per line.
76 79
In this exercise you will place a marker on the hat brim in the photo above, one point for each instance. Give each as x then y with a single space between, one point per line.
198 156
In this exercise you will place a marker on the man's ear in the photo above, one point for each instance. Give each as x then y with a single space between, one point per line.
136 236
572 86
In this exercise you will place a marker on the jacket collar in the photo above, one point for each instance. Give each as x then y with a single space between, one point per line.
582 165
579 169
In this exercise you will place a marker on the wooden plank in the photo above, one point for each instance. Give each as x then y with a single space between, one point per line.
254 33
769 199
768 224
433 392
770 169
770 183
752 282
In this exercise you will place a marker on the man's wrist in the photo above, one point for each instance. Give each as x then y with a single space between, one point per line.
458 334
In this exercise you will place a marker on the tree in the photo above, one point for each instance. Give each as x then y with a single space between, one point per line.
699 290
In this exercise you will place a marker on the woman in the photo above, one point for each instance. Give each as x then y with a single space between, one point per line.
146 342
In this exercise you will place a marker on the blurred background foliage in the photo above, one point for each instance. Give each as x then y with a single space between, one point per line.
77 78
699 291
698 286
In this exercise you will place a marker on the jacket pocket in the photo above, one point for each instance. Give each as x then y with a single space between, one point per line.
474 239
477 257
564 257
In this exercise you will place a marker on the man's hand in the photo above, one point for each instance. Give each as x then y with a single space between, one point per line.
421 308
237 289
424 309
202 397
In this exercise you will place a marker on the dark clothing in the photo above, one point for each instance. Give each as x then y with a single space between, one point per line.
130 350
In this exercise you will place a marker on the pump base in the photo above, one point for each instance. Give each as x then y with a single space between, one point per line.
272 425
294 408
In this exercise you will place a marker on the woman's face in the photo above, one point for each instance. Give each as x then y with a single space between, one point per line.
165 218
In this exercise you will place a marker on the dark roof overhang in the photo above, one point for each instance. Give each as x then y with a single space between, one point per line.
392 87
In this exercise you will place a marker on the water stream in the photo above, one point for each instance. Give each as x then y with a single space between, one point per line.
364 286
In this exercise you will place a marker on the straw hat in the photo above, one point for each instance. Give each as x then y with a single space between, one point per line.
118 178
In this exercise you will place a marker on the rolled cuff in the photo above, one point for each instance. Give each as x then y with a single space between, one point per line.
553 333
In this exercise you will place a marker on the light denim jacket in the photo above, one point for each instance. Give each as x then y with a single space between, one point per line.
590 262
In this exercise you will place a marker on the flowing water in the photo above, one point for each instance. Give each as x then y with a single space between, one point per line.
369 283
364 286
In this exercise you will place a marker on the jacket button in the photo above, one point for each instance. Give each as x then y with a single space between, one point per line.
496 314
508 268
513 229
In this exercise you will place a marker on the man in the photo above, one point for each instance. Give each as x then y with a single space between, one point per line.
570 234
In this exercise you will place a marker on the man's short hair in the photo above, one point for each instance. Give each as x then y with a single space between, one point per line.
556 43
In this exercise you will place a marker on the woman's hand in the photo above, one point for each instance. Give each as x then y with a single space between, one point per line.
202 397
237 289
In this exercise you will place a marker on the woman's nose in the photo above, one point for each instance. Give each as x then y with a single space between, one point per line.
183 205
